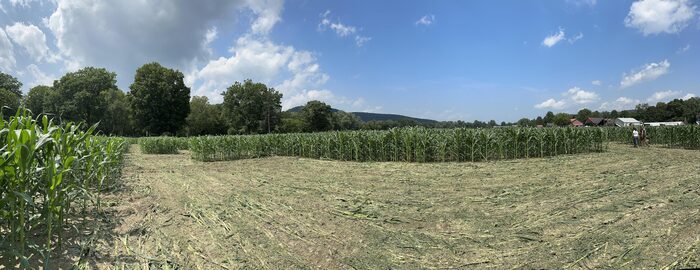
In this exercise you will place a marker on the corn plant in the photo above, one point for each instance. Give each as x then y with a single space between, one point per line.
412 144
162 145
46 171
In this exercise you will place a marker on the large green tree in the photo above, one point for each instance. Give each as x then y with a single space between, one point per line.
79 94
117 119
159 99
317 115
39 99
341 120
9 102
252 108
10 83
204 118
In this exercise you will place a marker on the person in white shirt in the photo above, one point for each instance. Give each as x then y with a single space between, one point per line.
635 137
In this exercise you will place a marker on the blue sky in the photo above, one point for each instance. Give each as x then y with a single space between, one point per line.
445 60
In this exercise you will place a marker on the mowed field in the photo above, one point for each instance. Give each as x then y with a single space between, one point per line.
624 208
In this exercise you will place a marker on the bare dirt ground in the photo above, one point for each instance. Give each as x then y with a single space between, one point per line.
623 209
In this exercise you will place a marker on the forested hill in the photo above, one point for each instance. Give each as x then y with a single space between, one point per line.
366 117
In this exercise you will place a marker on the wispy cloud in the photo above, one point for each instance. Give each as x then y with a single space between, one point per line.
648 72
426 20
342 30
554 39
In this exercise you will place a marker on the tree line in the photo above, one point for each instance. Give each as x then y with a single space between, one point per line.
159 103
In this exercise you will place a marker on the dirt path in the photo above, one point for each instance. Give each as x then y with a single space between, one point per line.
626 208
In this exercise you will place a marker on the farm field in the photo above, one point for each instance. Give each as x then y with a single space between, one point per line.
623 208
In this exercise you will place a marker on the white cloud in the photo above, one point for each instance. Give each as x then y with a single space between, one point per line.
32 39
342 30
553 39
688 96
596 82
551 104
268 12
648 72
660 16
576 38
360 40
683 49
663 95
581 96
123 35
621 103
426 20
40 78
7 56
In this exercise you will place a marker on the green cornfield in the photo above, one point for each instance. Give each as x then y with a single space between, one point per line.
686 136
49 173
413 144
163 145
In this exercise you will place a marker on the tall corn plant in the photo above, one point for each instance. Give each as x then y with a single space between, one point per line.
405 144
45 170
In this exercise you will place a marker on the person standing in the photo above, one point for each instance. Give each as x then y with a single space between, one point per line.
635 137
643 137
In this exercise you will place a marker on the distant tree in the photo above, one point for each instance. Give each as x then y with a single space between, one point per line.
204 118
562 119
292 122
160 100
492 123
38 99
524 122
583 114
117 119
78 95
252 108
341 120
539 121
317 116
549 117
614 114
9 102
11 84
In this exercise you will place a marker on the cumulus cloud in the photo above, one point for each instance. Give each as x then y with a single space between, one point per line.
621 103
551 104
554 39
581 96
688 96
342 30
683 49
32 39
40 78
268 14
7 56
663 95
660 16
596 82
648 72
98 33
426 20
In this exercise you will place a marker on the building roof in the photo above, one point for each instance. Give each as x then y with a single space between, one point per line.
628 120
595 121
576 122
